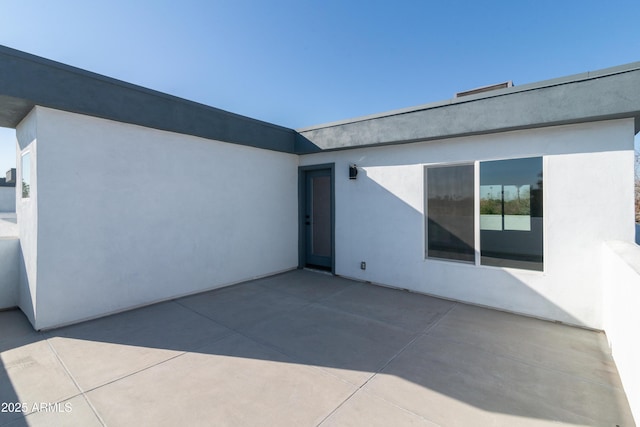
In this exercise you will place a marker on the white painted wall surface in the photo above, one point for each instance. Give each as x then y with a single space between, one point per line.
129 215
7 199
588 196
9 260
27 216
8 224
621 283
9 274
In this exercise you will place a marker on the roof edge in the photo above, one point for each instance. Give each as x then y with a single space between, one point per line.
5 50
28 80
574 78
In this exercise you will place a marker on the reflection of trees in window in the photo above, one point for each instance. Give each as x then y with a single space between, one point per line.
505 207
26 175
511 213
491 200
511 223
517 200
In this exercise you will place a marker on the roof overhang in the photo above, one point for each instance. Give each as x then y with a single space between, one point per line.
612 93
27 80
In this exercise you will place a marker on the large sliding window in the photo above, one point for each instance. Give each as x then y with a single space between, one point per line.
510 213
450 226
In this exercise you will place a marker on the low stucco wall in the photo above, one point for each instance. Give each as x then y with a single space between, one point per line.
621 284
8 224
9 252
7 199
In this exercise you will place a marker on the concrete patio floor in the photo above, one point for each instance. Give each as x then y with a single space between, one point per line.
307 349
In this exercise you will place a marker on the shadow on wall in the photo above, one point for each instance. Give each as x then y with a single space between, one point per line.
26 302
392 241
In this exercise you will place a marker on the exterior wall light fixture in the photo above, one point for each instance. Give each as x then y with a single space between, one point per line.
353 171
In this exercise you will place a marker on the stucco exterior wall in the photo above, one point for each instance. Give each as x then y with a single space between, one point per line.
9 260
621 283
27 217
9 248
7 199
588 197
129 215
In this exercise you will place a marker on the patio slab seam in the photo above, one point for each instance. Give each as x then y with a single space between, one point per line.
362 386
231 328
424 330
367 318
136 372
319 299
395 405
180 354
339 291
293 358
309 364
19 341
82 392
318 303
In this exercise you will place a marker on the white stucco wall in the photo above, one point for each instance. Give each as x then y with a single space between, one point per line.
129 215
7 199
621 289
27 217
8 224
9 273
9 260
588 196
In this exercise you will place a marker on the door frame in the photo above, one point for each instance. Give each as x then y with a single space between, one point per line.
302 198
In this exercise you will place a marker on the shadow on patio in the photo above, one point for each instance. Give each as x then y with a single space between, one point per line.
305 348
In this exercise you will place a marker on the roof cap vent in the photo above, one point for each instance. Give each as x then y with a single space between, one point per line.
488 88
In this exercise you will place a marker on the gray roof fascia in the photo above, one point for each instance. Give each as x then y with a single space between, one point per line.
599 95
27 80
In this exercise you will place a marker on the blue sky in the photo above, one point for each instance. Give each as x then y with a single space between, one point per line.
299 63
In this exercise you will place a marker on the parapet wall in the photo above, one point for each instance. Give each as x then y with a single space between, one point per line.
7 199
9 252
621 280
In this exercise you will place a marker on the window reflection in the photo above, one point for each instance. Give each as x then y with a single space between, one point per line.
505 207
450 225
511 213
26 175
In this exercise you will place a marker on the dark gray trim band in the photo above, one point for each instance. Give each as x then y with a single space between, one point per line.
27 80
604 95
